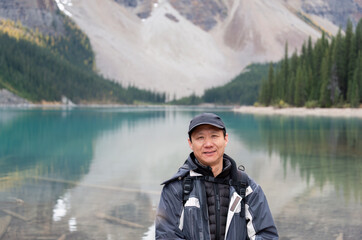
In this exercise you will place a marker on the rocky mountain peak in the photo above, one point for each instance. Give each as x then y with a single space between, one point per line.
35 14
142 8
203 13
336 11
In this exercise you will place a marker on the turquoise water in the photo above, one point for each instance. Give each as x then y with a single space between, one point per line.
95 173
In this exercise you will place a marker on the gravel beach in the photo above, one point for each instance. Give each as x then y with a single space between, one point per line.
318 112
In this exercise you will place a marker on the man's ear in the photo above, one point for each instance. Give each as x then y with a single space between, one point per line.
226 139
190 143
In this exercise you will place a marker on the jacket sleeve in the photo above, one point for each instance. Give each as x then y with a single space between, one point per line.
169 212
260 223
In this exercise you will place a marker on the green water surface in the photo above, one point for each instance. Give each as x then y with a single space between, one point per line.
77 172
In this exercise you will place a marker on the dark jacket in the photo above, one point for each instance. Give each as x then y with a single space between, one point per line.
217 195
176 220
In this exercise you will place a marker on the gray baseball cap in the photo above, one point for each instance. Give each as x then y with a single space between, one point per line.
206 118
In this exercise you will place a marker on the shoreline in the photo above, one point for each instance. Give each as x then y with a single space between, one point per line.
301 112
292 111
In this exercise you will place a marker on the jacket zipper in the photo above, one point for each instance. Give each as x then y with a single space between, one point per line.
217 211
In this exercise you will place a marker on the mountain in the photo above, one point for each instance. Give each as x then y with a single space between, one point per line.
335 11
53 62
206 13
35 14
183 47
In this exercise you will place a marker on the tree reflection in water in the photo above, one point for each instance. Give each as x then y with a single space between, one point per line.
327 154
43 157
62 174
329 150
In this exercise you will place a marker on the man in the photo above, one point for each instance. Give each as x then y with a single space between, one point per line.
209 198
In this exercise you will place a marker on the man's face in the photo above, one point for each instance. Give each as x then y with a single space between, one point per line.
208 144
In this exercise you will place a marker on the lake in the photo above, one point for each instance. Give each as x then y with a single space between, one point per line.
95 173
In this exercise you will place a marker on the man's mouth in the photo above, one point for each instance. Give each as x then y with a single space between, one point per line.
209 152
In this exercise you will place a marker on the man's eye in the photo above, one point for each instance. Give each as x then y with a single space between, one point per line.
200 138
214 136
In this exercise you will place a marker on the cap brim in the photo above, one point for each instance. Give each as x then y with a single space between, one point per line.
205 123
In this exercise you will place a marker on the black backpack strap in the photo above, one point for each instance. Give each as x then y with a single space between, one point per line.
243 182
187 185
241 189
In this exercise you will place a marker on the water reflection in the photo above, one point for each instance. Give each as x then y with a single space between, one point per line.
326 154
327 150
95 173
44 157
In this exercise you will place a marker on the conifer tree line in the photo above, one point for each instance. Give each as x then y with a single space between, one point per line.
38 67
242 90
327 73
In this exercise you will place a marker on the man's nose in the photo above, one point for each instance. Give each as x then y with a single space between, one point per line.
208 142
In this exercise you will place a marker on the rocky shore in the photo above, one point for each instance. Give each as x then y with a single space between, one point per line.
9 99
317 112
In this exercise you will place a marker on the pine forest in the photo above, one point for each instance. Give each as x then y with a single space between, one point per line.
325 74
39 68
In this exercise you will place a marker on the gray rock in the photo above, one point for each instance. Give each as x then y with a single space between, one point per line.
336 11
35 14
9 99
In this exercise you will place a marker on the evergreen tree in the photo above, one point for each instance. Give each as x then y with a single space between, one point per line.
277 86
310 53
291 89
350 56
355 97
336 96
357 76
266 88
318 53
300 94
263 92
290 84
309 83
284 77
334 84
270 85
358 35
339 57
304 54
325 91
294 62
352 64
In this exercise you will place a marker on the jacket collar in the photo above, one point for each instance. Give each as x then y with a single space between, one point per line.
191 164
207 171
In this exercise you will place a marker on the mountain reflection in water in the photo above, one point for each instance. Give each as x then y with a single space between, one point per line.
46 159
329 150
327 155
95 173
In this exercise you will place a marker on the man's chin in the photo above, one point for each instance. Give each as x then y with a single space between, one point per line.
208 161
